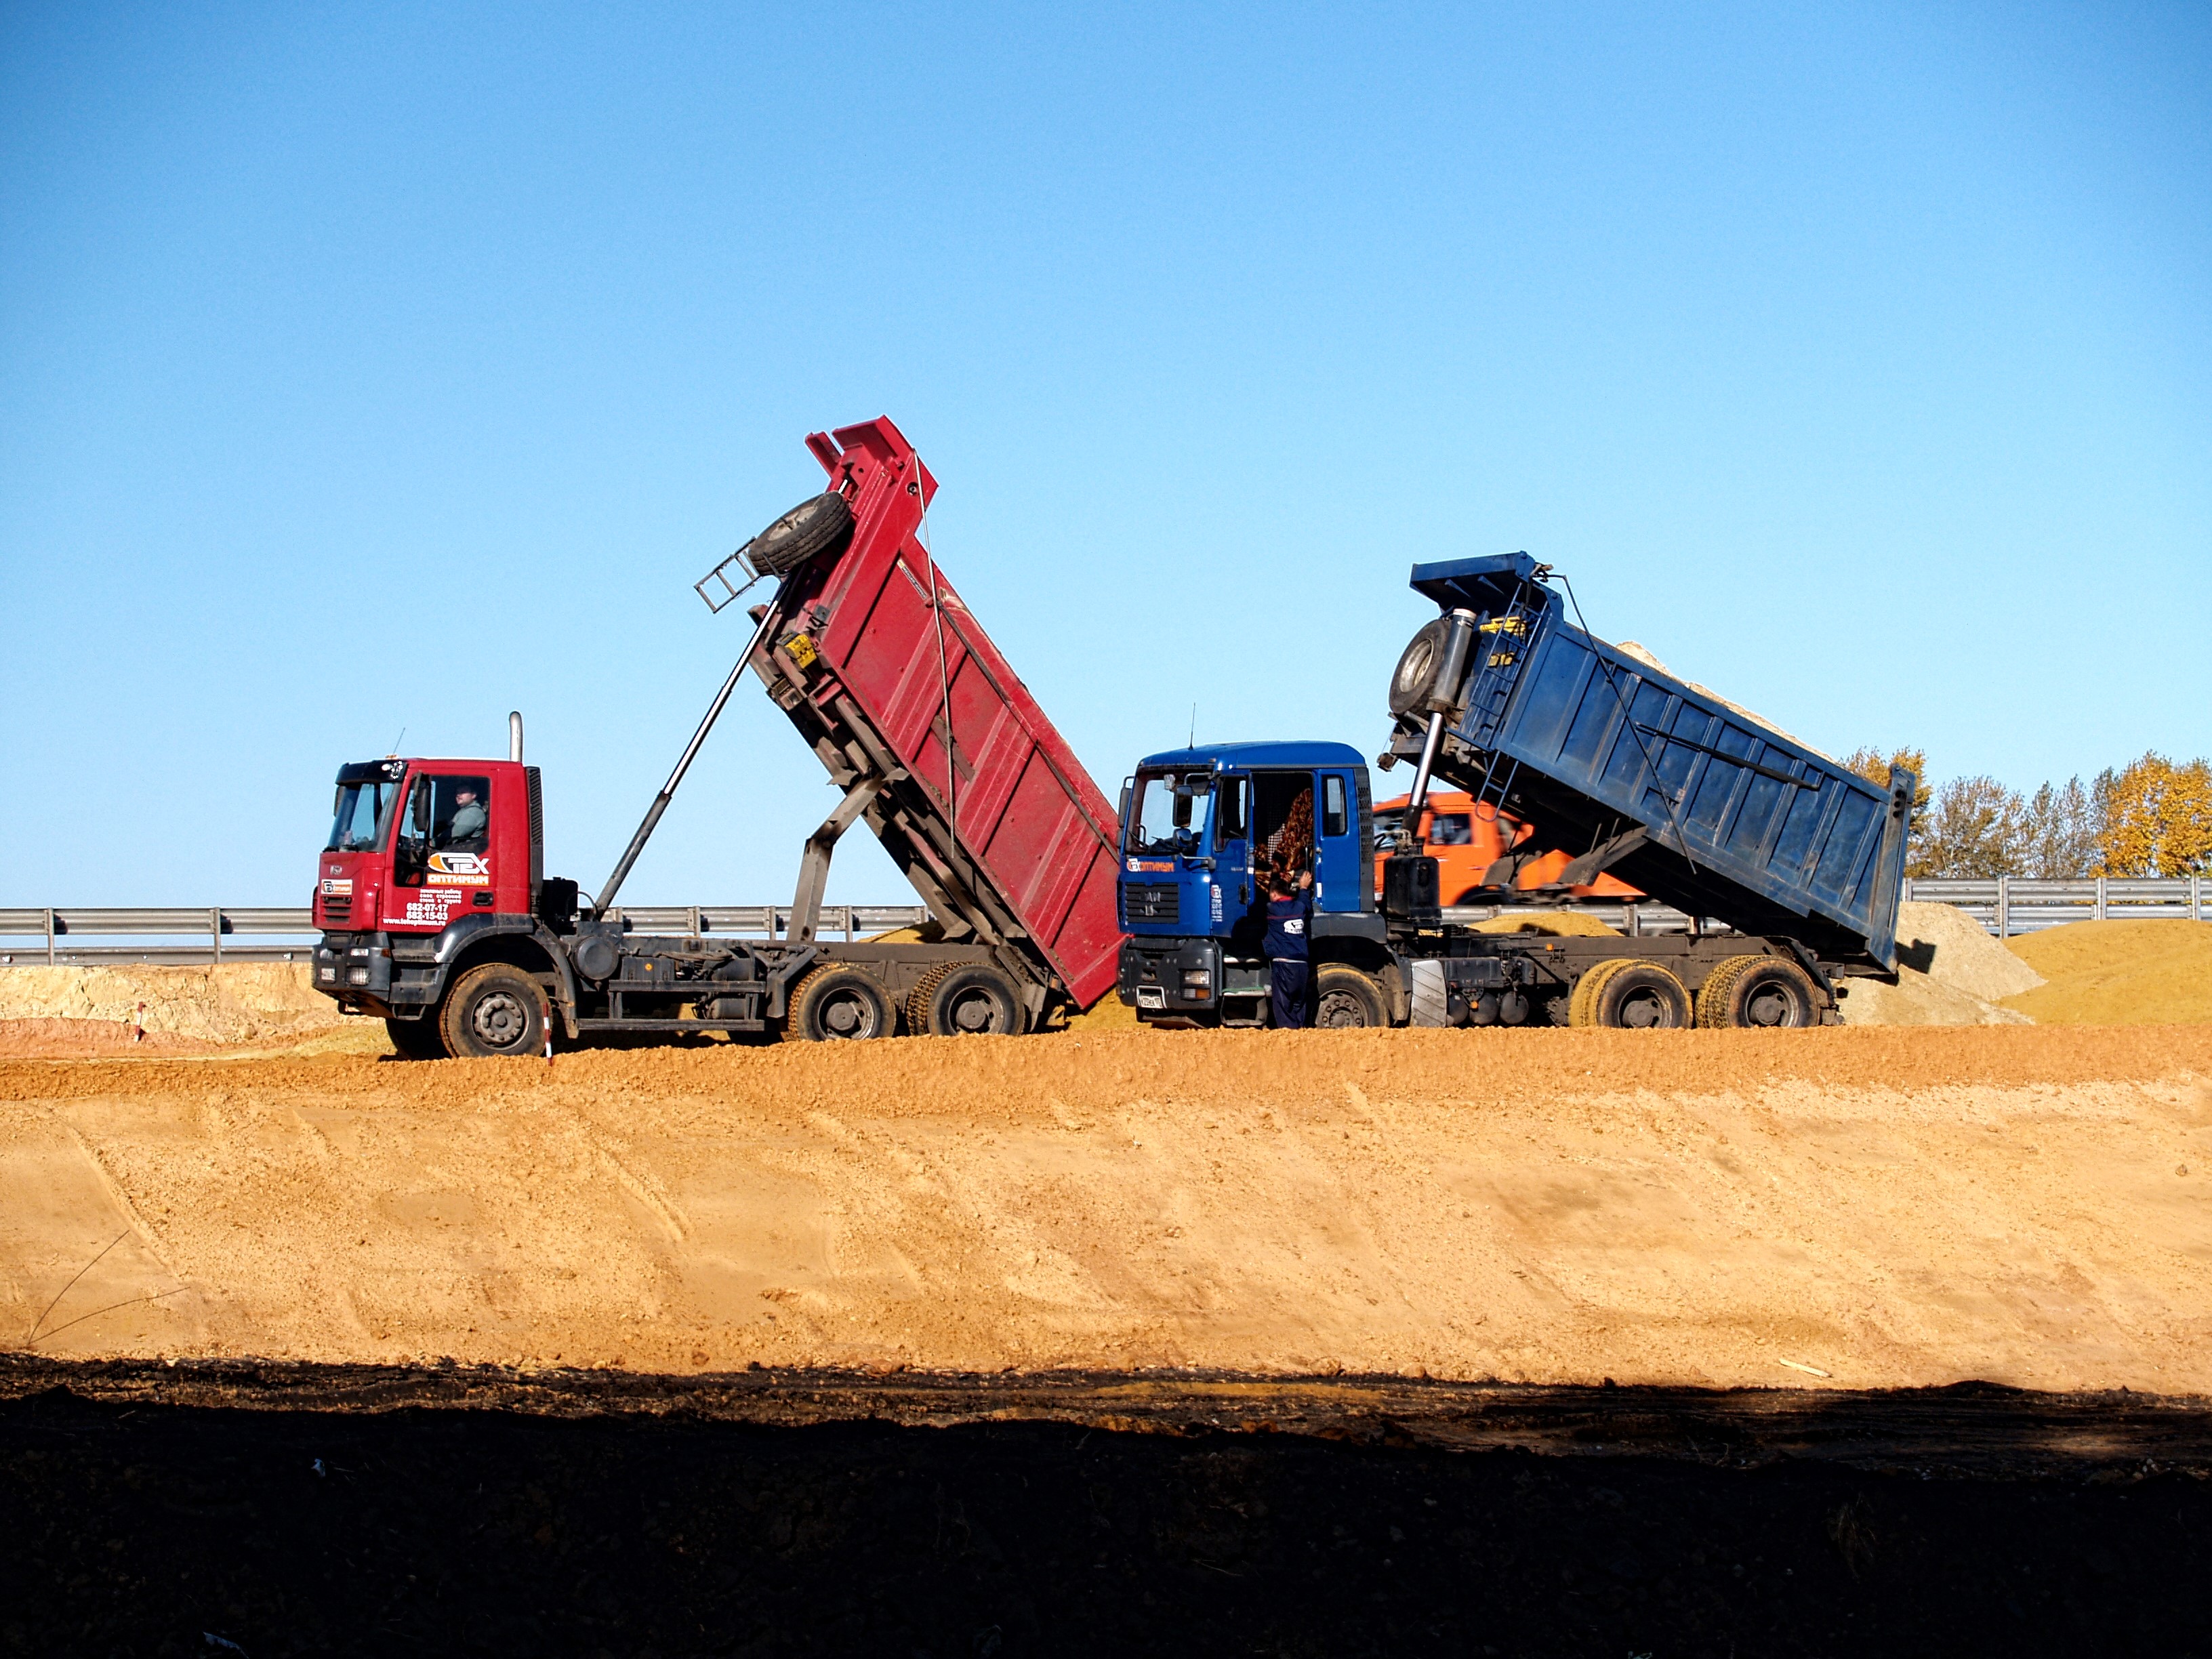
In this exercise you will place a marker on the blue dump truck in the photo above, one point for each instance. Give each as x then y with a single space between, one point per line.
1657 780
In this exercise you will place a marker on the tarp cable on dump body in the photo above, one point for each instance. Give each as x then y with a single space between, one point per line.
1628 719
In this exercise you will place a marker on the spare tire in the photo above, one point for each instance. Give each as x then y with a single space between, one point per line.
811 527
1417 671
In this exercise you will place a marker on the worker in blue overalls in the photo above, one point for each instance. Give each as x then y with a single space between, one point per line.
1289 885
1290 921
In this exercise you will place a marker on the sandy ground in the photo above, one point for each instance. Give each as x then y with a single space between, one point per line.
2118 973
1844 1207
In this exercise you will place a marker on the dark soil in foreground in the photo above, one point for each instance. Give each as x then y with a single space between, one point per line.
132 1526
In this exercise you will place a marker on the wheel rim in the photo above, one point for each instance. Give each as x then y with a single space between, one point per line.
1643 1010
498 1020
977 1012
1339 1008
847 1014
1770 1005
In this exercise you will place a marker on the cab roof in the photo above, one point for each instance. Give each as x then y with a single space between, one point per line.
1257 755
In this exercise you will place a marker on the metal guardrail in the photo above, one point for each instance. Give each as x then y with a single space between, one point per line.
184 937
2006 905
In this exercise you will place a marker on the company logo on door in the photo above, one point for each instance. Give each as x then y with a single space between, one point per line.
458 870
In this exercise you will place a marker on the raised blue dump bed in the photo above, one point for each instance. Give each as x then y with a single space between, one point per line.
1737 820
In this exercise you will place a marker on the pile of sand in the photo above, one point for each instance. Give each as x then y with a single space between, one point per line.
1851 1209
2117 973
246 1002
1949 972
1560 924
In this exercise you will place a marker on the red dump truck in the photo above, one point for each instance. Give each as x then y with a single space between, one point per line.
437 916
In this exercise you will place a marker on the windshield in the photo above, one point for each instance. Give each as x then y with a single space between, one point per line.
364 812
1165 817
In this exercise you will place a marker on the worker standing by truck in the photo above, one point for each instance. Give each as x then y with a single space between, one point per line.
1290 917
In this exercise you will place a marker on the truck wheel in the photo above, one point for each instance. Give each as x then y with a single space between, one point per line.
916 1010
494 1009
834 1003
1417 670
416 1039
813 526
1760 993
1638 996
1587 988
972 1000
1344 997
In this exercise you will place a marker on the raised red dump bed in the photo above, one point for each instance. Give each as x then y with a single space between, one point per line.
978 797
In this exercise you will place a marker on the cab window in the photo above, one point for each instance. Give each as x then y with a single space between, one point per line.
1451 829
1229 809
444 815
1161 821
460 814
1335 813
364 812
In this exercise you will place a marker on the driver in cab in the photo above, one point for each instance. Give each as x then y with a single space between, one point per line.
465 834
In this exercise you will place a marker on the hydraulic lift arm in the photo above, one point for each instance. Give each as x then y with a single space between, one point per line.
606 899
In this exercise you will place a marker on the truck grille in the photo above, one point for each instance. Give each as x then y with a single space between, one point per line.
1151 900
337 909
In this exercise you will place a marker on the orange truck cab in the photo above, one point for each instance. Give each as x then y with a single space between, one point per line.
1471 840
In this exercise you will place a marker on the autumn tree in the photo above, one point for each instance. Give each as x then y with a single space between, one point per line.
1978 829
1874 764
2156 819
2060 831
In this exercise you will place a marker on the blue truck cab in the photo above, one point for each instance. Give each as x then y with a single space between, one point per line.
1196 828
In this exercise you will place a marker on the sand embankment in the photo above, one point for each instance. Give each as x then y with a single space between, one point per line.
2023 1204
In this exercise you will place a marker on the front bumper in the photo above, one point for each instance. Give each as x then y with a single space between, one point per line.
356 971
1185 976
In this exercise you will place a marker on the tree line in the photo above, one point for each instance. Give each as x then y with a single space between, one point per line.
2150 818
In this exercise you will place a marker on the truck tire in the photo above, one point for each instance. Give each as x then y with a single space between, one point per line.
916 1010
813 526
835 1004
493 1009
417 1039
1344 997
966 998
1417 670
1587 986
1636 996
1758 993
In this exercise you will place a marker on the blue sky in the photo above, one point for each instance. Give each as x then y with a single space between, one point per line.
370 369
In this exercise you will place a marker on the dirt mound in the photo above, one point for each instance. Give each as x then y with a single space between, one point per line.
1560 924
2118 973
1918 999
91 1039
1953 949
1867 1208
1949 972
235 1002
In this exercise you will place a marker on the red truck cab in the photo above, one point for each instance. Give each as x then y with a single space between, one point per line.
416 846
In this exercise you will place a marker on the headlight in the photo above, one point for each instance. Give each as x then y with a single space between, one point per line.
1198 977
356 976
328 976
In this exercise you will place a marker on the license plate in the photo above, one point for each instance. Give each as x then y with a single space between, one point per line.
1151 996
